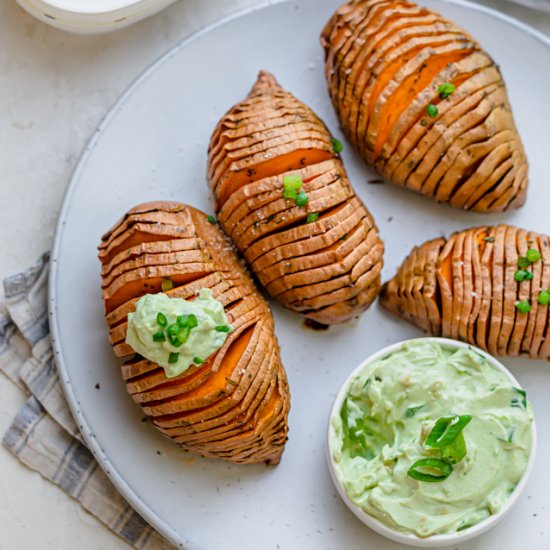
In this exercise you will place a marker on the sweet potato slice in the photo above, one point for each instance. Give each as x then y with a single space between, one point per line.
324 232
417 153
215 408
524 292
292 247
259 386
218 282
541 343
305 261
239 419
384 64
474 294
424 132
315 252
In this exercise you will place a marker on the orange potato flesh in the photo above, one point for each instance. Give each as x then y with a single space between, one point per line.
217 381
446 266
273 167
139 288
408 90
133 240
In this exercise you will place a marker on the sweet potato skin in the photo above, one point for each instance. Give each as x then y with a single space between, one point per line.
384 64
234 407
464 287
322 259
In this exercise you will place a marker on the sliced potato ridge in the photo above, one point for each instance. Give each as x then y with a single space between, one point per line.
466 287
234 406
384 64
322 258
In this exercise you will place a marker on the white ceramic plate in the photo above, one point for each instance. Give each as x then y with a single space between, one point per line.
152 145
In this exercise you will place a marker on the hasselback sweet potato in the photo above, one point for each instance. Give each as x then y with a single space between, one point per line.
424 104
234 406
318 253
489 286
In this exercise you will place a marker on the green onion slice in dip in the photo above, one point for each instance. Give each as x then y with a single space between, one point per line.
177 333
480 443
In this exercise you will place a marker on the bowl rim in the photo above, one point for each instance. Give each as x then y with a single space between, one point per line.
90 8
410 538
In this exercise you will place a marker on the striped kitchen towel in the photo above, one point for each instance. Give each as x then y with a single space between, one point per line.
43 435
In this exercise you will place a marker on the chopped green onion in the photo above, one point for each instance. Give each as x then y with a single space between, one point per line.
544 298
442 468
173 329
528 275
212 219
176 341
182 320
455 451
432 110
162 321
533 255
516 402
523 306
198 361
223 328
312 217
159 337
301 199
291 184
523 262
520 275
355 439
183 334
337 145
445 90
509 435
411 411
167 285
230 381
173 357
446 430
192 320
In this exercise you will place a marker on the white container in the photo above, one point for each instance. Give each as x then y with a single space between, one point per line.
92 16
434 541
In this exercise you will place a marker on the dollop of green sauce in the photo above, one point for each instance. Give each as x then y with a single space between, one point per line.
390 408
203 341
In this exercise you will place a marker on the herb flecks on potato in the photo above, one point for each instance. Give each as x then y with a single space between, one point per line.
282 195
489 286
424 104
234 406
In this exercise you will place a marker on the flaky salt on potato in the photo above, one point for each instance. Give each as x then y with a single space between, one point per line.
282 195
424 104
234 405
489 286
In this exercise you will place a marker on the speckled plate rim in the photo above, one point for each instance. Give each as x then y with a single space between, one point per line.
92 443
433 541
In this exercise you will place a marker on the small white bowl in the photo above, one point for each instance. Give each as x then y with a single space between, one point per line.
92 16
410 539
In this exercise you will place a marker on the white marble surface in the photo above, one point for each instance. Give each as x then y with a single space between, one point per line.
54 88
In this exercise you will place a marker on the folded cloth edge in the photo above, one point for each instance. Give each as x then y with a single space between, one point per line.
44 435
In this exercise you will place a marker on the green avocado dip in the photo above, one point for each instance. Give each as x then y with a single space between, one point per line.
428 404
177 333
